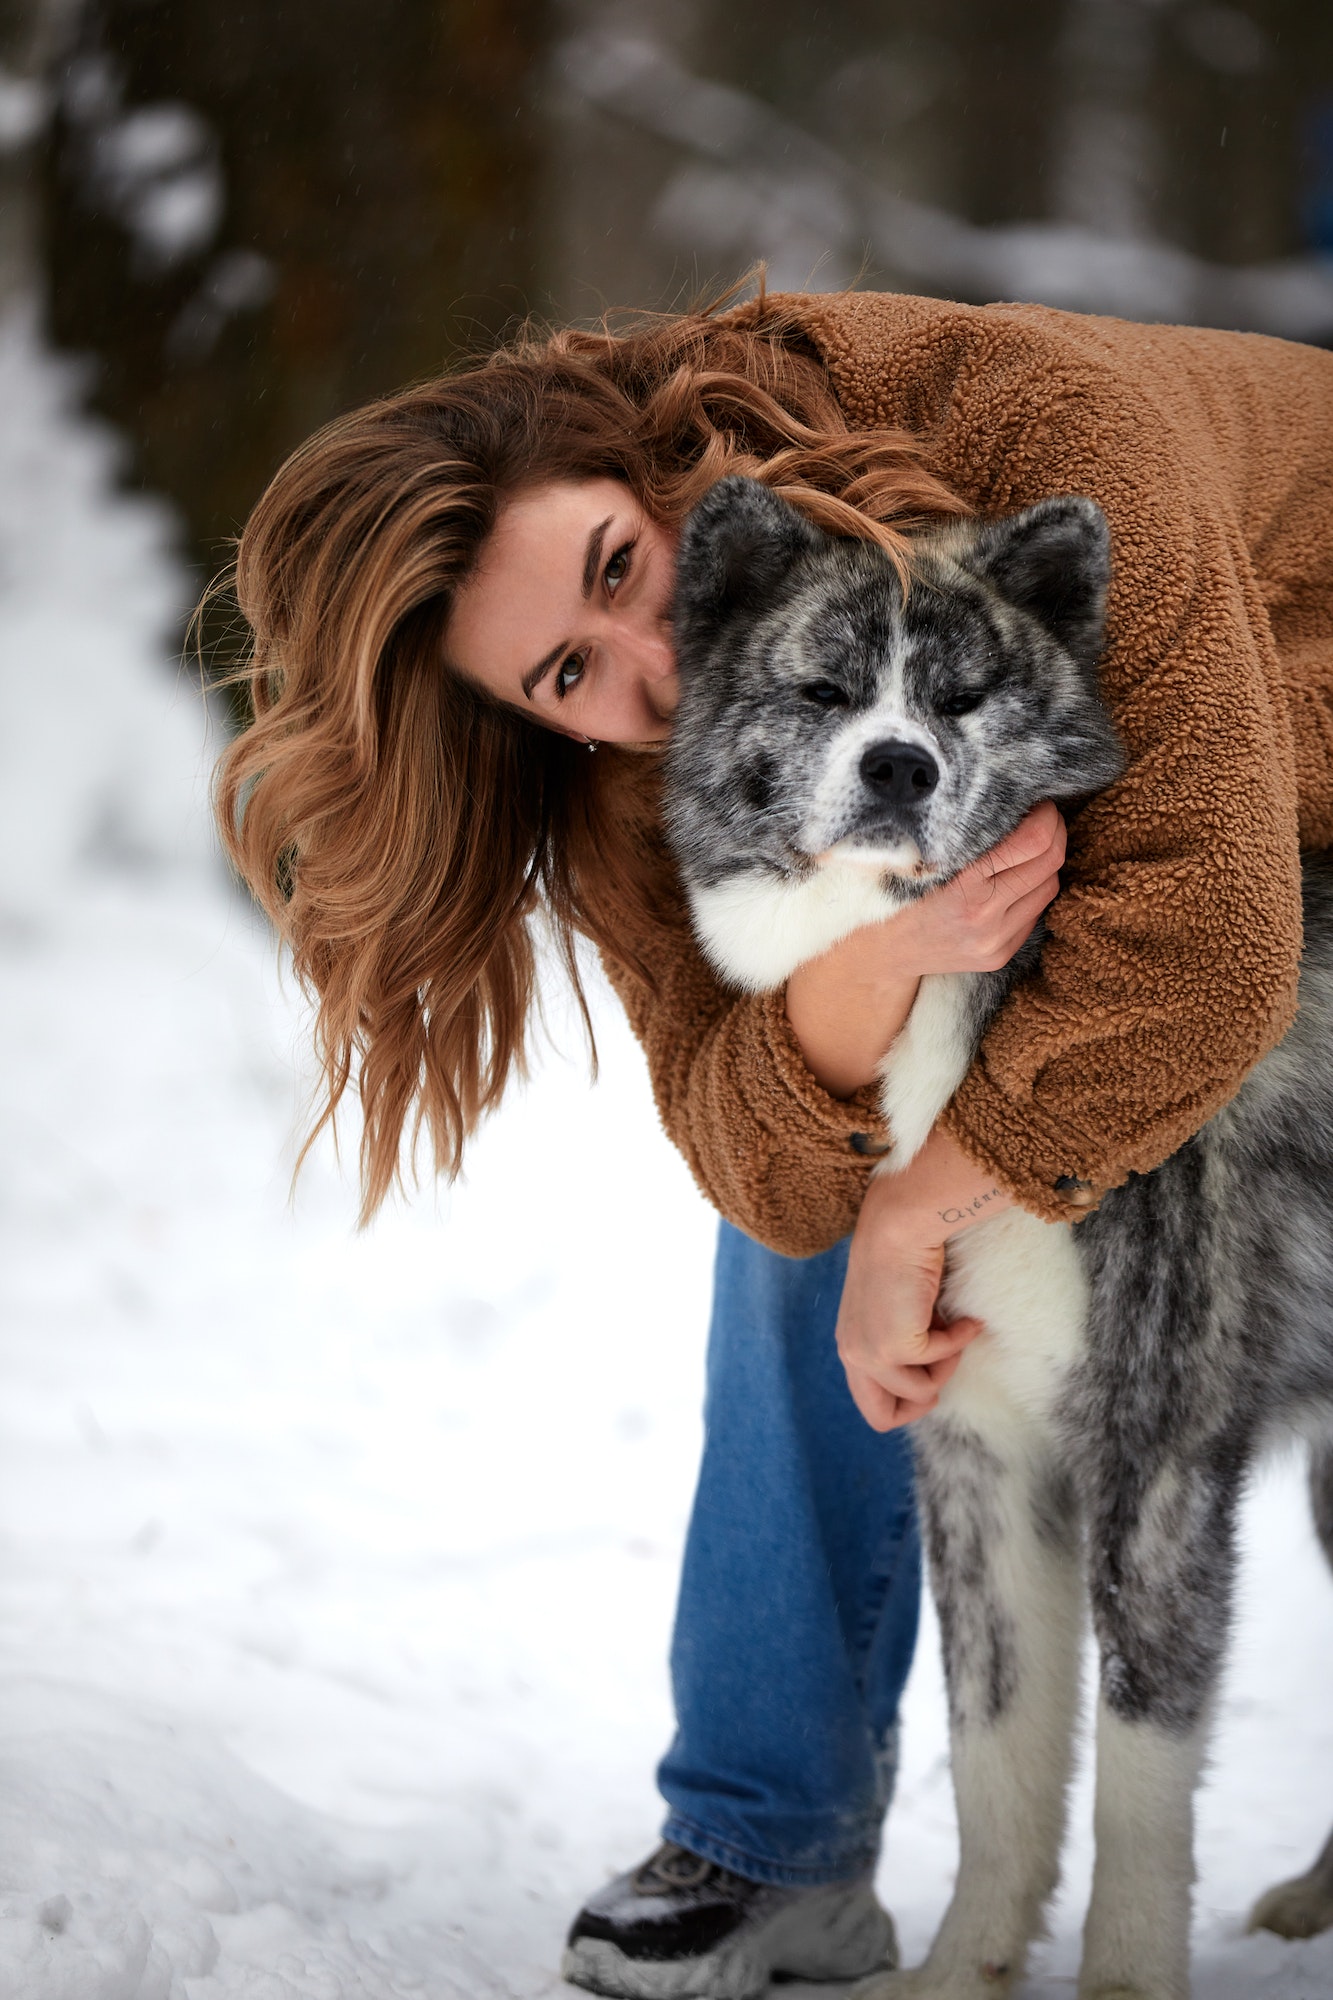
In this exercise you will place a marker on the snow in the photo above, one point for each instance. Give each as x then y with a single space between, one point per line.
336 1570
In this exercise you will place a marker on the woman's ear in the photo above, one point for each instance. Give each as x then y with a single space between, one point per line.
736 548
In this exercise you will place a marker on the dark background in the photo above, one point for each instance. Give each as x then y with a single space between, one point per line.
250 214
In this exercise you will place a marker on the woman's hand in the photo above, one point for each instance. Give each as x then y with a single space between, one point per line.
897 1350
846 1007
977 922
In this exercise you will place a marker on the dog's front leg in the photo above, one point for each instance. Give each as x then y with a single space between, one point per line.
1007 1578
1304 1906
1161 1535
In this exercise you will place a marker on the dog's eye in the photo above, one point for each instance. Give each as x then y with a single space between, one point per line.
827 694
961 703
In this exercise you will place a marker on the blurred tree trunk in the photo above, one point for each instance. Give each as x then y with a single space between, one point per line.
1237 96
1192 123
949 104
260 215
29 35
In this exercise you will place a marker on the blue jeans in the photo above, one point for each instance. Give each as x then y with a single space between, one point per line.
800 1590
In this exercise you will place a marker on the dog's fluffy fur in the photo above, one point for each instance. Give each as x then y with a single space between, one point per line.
839 748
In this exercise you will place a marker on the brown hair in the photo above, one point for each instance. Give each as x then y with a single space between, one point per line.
400 829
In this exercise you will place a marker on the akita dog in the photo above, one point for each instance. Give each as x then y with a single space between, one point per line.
837 749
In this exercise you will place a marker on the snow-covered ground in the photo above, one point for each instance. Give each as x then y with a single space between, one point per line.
336 1570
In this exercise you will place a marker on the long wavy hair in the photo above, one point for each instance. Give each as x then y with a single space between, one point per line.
403 832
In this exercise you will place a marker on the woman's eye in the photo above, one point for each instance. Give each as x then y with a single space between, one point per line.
826 693
961 703
618 568
568 674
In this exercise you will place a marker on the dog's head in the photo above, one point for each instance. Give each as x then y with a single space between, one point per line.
826 720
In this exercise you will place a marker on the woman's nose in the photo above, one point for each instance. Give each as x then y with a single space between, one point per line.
657 675
657 651
663 693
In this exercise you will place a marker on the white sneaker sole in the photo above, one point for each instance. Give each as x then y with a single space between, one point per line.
830 1933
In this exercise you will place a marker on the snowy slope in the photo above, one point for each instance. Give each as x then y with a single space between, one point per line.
336 1571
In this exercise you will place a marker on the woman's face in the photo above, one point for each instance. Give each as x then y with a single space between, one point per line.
565 616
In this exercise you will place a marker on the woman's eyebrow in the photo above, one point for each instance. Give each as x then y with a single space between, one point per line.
592 562
542 668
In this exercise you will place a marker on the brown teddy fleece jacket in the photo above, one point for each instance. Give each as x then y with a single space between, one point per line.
1171 961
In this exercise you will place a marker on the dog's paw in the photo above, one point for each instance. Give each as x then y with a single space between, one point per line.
983 1982
1149 1988
1120 1993
1300 1908
886 1986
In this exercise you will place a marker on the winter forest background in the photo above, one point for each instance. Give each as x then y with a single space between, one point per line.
336 1572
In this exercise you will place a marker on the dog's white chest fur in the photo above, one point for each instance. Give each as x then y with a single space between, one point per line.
757 929
1024 1278
1021 1275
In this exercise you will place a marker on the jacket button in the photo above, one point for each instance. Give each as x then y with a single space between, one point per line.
1079 1194
868 1148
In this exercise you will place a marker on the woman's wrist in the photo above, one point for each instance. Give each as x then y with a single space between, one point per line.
941 1194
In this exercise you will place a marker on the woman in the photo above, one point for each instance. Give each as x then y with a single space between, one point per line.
457 592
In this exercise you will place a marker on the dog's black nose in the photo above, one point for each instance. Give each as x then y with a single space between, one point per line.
901 774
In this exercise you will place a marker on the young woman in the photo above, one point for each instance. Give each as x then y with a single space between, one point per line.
456 593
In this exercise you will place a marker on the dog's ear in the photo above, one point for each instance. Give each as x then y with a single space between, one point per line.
736 547
1054 562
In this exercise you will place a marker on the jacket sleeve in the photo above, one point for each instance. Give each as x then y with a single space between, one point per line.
1173 950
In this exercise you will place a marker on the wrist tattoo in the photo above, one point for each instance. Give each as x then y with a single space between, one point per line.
965 1214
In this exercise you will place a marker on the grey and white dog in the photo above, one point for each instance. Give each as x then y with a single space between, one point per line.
837 749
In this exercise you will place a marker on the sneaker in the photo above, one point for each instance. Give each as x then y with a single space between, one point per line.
679 1926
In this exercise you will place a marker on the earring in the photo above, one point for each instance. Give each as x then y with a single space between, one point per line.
588 743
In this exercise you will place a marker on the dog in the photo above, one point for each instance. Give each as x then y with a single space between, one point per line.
841 746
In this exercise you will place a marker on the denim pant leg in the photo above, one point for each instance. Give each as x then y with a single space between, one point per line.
799 1594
